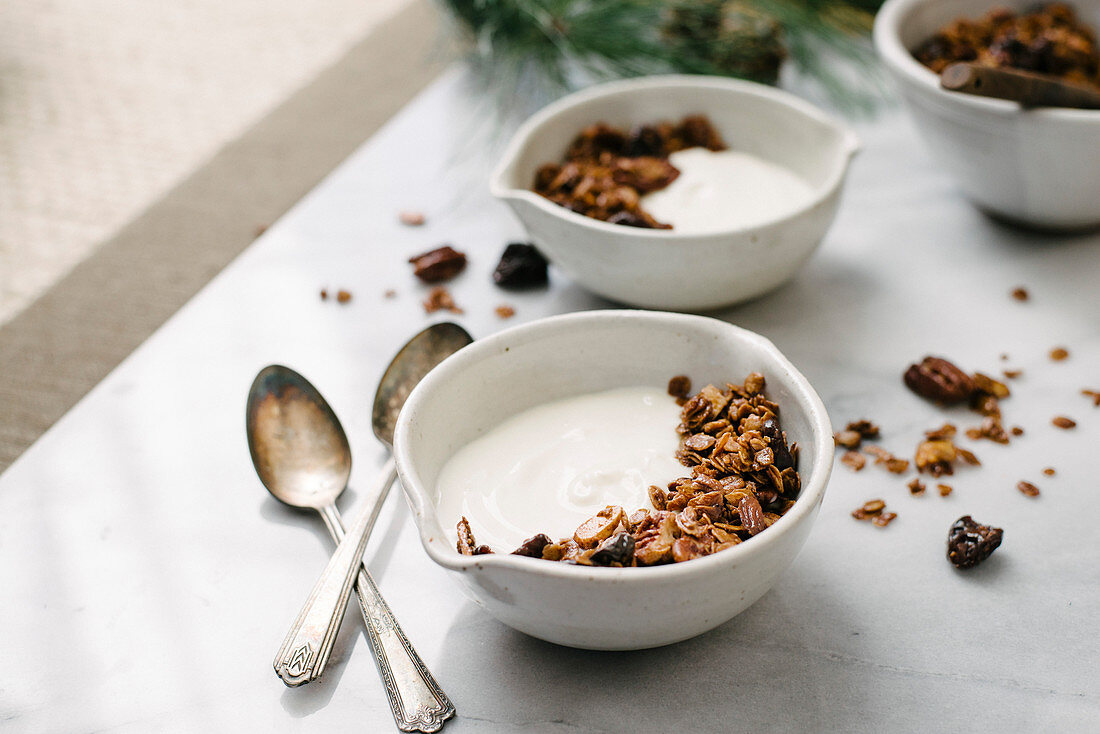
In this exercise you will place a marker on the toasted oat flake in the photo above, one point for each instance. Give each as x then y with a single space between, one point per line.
853 460
1049 471
343 296
324 294
1027 488
916 487
1059 353
869 509
1061 421
505 311
945 489
1012 374
390 293
883 519
412 218
1094 394
1020 294
1017 431
848 439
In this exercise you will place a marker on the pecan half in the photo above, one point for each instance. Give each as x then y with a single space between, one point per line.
438 265
937 379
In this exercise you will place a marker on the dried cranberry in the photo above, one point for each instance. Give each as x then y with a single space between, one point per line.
619 548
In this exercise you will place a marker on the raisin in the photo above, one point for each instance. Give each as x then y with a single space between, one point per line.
777 441
520 266
533 546
969 543
619 548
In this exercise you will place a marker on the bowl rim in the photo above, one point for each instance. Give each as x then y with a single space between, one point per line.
849 145
887 41
443 553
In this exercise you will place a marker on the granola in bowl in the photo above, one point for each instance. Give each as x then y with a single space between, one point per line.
743 478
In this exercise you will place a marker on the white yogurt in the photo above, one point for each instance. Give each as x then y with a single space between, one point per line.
551 467
725 189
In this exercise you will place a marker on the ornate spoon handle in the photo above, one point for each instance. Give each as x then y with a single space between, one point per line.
416 700
305 651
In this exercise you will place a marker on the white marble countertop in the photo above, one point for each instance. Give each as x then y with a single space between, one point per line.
147 578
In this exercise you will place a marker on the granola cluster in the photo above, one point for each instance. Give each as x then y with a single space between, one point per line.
1050 39
744 477
606 170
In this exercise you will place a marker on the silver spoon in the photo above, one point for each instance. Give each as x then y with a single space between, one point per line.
302 456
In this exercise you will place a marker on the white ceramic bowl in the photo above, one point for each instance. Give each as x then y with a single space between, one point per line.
661 268
1040 168
605 608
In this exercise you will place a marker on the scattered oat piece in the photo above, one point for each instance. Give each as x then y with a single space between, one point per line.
869 509
1059 353
883 519
505 311
865 428
853 460
1049 471
969 543
1004 356
1094 394
892 463
324 294
916 486
1027 488
991 428
411 218
343 296
440 299
946 431
1020 294
1060 421
1017 431
936 457
390 293
1012 374
848 439
945 489
438 265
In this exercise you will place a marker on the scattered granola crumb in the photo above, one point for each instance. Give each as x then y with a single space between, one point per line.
1059 353
869 509
892 463
847 439
412 218
1004 357
439 298
883 519
505 311
865 428
1094 394
390 293
324 294
1049 471
438 265
916 487
1061 421
853 460
945 489
679 387
1017 431
1020 294
1012 374
1027 488
343 296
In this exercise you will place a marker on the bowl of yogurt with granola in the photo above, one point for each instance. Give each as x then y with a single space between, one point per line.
615 479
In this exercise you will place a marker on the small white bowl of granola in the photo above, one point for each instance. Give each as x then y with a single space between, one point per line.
699 554
787 161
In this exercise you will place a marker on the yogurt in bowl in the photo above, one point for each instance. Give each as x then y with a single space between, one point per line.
485 385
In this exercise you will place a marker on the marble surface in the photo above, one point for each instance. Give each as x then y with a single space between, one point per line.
147 578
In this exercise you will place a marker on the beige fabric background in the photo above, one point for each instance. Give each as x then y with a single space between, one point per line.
55 350
105 104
